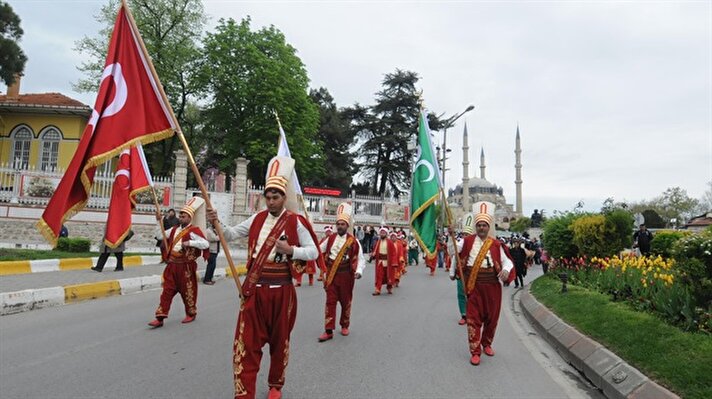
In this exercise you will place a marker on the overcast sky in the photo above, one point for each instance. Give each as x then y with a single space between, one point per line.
613 99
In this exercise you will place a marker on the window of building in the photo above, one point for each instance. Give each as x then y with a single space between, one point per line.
50 148
21 140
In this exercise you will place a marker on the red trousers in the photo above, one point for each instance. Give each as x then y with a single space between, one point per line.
179 278
266 317
341 290
482 315
384 275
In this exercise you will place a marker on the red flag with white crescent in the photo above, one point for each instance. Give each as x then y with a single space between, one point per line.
132 177
129 109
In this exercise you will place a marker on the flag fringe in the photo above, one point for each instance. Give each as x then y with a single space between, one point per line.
415 215
95 161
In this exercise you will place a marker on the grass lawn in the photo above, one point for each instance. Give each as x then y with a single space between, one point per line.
34 254
680 361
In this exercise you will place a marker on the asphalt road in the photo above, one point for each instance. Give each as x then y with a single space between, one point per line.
406 345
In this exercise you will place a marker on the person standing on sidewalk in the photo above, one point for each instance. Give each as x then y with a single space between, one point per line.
118 252
485 262
519 258
277 238
214 248
186 243
344 263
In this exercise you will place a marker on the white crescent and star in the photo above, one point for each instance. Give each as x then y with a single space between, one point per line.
427 164
113 70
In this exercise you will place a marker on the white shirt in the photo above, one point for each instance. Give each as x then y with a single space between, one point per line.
195 241
339 242
306 251
507 264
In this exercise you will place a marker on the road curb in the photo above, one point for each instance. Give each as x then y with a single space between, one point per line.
608 372
53 265
26 300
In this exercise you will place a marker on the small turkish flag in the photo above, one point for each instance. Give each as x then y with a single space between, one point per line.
132 177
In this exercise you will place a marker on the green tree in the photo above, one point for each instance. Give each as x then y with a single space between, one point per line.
252 74
384 131
337 138
520 225
676 204
706 200
558 238
171 30
620 222
12 59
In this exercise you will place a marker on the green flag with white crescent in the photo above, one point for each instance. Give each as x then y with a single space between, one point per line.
425 190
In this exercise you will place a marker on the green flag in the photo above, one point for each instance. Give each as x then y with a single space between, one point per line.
425 190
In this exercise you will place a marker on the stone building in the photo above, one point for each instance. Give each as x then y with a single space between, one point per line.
480 189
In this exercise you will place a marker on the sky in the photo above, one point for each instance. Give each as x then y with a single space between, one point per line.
612 99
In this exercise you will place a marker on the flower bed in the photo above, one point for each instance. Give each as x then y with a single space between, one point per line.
652 284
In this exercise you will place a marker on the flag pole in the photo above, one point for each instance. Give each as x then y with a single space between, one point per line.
448 215
160 219
216 225
299 196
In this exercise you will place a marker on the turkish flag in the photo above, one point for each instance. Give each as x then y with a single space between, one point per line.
129 109
132 177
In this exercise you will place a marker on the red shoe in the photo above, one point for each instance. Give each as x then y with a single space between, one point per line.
274 393
298 285
475 360
156 323
461 322
319 279
325 337
489 351
390 291
376 293
344 331
188 319
432 273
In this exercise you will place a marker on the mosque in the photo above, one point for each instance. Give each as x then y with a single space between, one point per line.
480 189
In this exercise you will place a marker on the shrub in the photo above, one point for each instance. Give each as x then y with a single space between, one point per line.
595 235
558 238
73 244
622 222
663 242
694 255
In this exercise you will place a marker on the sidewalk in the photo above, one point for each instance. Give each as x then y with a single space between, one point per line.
24 292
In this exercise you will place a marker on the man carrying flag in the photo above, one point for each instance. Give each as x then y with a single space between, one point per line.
425 190
129 109
386 254
186 243
344 264
278 241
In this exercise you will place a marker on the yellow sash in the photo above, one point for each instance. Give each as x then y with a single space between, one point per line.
478 262
337 261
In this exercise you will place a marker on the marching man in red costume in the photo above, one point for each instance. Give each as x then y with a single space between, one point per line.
186 243
386 254
485 262
344 265
277 237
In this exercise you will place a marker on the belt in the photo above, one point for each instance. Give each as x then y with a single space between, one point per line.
269 286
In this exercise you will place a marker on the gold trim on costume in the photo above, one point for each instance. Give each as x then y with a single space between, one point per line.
478 262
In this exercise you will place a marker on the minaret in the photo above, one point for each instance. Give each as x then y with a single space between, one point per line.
482 163
518 168
465 172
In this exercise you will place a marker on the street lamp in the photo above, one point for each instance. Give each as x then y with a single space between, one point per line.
450 122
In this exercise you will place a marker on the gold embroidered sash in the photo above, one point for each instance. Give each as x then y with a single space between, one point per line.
478 263
337 261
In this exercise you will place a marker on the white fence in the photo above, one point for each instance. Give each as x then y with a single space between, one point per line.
367 209
34 187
